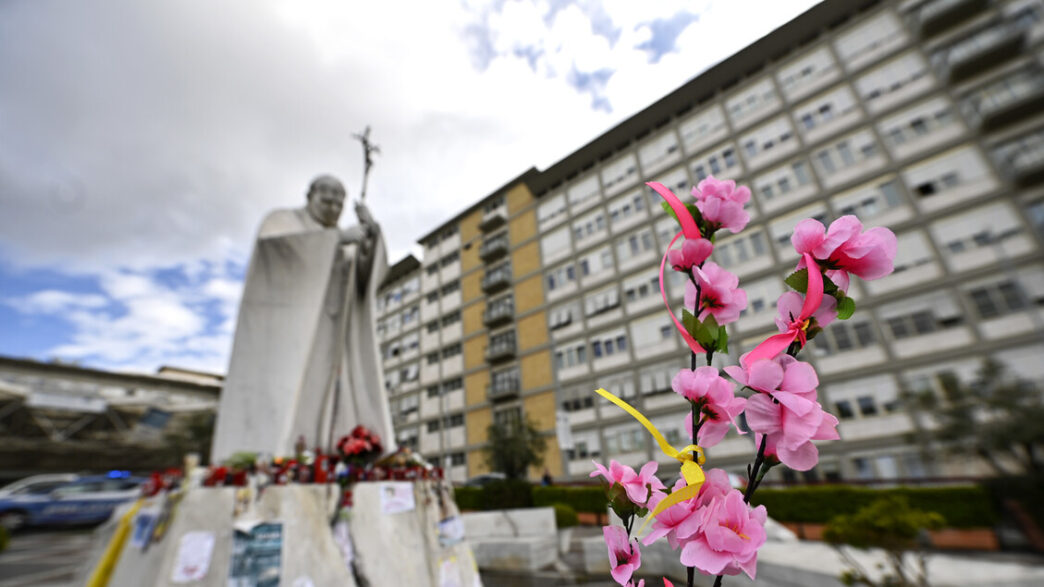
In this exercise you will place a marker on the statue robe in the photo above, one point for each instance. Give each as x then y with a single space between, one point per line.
304 358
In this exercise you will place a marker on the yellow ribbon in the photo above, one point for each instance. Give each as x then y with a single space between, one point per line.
690 466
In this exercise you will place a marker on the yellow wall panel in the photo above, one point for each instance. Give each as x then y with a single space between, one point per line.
526 259
536 372
540 409
517 198
469 255
532 331
475 388
472 317
474 352
477 423
522 227
529 294
471 286
477 463
469 228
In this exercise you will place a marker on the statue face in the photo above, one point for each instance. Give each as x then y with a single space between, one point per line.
326 200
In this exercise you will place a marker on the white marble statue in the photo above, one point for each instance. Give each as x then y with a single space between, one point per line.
304 359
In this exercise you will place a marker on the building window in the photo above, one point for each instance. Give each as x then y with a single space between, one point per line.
998 299
844 409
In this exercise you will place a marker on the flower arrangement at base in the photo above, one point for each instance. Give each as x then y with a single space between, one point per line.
360 447
712 524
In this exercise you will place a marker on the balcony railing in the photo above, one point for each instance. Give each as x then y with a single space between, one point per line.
940 15
984 51
498 314
493 218
493 249
501 349
1024 99
496 280
502 389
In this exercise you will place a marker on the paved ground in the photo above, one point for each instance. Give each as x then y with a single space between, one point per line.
43 558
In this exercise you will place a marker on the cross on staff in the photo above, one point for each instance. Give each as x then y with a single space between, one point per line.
368 150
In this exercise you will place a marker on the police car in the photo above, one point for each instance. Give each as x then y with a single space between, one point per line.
81 500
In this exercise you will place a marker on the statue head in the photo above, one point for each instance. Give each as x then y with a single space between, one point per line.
326 200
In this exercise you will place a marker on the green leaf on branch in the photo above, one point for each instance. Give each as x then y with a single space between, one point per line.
690 322
845 308
798 280
670 211
693 211
723 339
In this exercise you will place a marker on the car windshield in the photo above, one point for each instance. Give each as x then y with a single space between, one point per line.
40 488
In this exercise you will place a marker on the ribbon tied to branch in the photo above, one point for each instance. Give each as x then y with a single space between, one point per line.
797 330
690 457
690 231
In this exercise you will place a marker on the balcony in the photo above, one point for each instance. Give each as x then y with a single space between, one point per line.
940 15
493 218
496 280
503 389
494 249
501 348
498 314
983 52
997 114
1026 168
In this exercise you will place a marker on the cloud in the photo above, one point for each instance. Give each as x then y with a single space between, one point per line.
141 151
51 301
665 33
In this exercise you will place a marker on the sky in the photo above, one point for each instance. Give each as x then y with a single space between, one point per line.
141 143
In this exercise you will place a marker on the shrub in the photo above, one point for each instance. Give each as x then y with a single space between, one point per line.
582 499
498 495
565 516
1026 490
963 507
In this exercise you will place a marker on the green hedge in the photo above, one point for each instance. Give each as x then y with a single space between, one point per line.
582 499
963 507
499 495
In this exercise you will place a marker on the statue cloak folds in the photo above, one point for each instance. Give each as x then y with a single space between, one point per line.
306 319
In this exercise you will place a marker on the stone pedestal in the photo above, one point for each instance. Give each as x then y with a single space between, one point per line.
513 540
390 549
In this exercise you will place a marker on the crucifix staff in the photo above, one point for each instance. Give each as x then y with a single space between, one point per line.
368 150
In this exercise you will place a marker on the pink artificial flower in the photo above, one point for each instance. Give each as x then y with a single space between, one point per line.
682 520
624 557
693 253
676 522
719 293
721 203
789 307
715 402
636 485
729 538
844 248
786 410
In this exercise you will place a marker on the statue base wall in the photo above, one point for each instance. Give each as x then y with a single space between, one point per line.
389 544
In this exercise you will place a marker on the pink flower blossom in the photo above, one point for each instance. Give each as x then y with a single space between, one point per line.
624 557
719 293
715 402
786 410
789 307
682 520
729 538
636 485
692 253
844 248
721 203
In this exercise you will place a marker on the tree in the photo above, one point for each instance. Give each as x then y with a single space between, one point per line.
515 447
892 525
194 434
997 417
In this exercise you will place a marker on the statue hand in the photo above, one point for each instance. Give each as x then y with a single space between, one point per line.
353 234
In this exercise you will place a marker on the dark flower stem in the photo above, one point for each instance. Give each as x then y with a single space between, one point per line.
756 473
